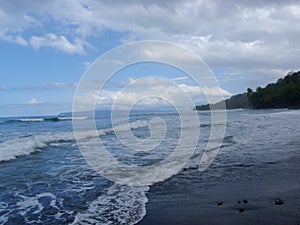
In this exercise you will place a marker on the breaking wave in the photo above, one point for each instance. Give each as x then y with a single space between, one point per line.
118 205
25 145
43 119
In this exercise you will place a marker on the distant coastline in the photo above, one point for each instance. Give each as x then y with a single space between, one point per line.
285 93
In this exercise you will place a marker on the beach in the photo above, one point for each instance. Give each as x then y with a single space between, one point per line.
248 201
256 182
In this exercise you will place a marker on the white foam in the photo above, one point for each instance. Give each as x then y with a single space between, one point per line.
32 205
73 118
39 119
118 205
20 146
4 212
285 112
31 120
29 204
13 148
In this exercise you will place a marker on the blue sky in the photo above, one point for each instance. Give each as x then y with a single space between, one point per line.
47 45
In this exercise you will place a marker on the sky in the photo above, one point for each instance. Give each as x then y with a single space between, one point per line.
46 46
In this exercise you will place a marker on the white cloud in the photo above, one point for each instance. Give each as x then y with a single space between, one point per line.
33 101
180 78
148 89
215 91
30 20
21 41
14 39
58 42
86 64
243 35
173 54
61 85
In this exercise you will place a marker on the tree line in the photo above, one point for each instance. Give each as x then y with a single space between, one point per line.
285 93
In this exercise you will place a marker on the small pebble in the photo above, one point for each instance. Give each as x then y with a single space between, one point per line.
219 203
238 202
278 202
241 210
245 201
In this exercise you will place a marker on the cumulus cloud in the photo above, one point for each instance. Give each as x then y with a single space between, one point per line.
153 92
14 39
172 53
215 91
243 35
58 42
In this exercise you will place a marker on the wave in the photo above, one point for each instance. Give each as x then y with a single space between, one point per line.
73 118
25 145
238 109
125 204
286 112
14 148
30 120
31 208
44 119
116 205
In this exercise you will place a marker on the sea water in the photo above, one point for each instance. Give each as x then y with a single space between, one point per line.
45 179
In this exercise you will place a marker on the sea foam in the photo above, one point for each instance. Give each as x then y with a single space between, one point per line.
43 119
118 205
25 145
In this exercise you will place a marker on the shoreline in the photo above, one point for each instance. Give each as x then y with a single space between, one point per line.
237 202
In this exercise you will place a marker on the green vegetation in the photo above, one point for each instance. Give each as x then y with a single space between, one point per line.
285 93
235 102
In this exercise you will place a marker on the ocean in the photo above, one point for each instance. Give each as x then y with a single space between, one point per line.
44 179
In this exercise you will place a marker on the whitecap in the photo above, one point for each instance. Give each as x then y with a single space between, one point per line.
20 146
118 205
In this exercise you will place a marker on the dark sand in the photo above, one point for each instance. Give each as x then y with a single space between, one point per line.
219 201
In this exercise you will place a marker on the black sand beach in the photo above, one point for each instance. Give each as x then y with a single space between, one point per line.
240 201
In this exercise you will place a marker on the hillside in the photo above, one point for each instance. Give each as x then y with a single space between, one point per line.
235 102
285 93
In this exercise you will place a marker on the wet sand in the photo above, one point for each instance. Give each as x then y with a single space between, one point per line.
240 201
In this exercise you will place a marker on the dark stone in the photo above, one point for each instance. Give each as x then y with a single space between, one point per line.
278 202
241 210
238 202
219 203
245 201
